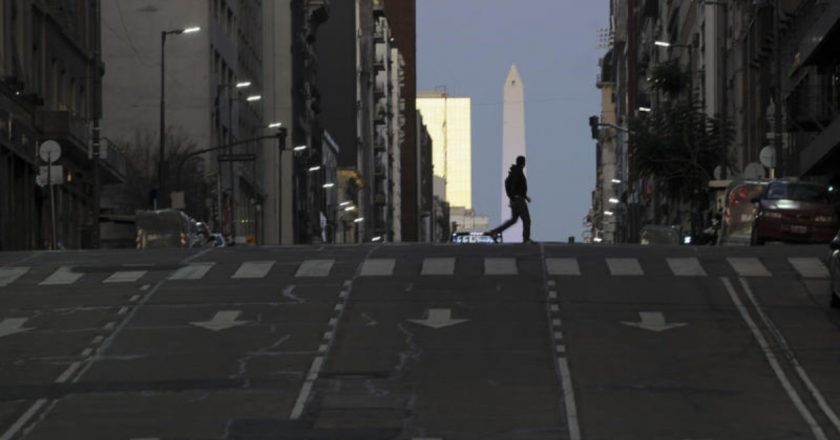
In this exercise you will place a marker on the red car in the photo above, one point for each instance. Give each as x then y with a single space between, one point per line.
794 212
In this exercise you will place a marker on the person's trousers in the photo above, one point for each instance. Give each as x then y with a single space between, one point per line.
518 209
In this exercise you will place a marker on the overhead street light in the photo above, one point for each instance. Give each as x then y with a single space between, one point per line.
300 148
616 181
347 203
662 43
328 185
315 168
645 109
275 125
253 98
243 84
614 201
349 209
609 213
359 220
162 128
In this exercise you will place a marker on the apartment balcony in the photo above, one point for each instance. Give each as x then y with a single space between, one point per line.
61 126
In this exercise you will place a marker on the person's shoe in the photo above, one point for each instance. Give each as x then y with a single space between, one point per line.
529 241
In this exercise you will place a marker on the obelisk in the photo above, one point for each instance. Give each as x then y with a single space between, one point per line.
513 142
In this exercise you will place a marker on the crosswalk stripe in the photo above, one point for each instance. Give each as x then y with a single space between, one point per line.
8 275
315 268
63 276
686 267
438 266
192 271
377 267
809 267
253 269
748 267
624 267
562 266
125 276
500 266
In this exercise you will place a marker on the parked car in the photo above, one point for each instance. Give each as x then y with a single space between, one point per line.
794 212
474 237
834 268
739 212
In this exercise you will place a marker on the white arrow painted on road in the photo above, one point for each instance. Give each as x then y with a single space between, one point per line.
222 320
10 326
438 318
654 321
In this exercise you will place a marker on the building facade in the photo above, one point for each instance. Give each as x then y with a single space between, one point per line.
449 122
50 83
765 68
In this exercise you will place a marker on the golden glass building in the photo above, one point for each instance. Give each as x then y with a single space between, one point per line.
449 121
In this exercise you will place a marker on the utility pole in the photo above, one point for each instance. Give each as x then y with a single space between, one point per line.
96 115
777 135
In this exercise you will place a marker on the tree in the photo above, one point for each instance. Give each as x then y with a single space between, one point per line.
678 144
141 174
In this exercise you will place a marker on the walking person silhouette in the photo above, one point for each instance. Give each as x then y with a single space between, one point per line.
516 187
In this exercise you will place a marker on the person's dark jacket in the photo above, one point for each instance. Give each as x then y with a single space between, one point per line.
518 183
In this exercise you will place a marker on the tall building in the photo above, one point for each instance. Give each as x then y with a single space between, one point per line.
513 141
205 102
449 122
50 72
402 15
361 86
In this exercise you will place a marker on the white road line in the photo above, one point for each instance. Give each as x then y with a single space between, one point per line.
86 352
562 266
253 269
134 298
556 323
552 283
65 376
378 267
774 363
23 420
552 295
809 267
438 266
122 311
109 326
315 268
748 267
192 271
800 370
125 276
560 348
8 275
555 308
624 267
97 340
306 390
500 266
686 267
569 399
62 277
558 335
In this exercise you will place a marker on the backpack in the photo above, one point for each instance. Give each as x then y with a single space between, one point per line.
509 185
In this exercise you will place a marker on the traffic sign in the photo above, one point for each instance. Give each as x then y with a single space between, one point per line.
767 157
50 151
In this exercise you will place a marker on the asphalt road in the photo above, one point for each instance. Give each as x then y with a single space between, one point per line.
425 342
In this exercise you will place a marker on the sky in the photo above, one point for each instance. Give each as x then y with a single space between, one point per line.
469 45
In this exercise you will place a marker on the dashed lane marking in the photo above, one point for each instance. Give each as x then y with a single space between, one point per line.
438 266
315 268
748 267
192 271
624 267
686 267
562 267
63 276
378 267
253 270
125 276
809 267
8 275
500 266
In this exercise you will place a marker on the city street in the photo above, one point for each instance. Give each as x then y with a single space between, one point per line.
546 341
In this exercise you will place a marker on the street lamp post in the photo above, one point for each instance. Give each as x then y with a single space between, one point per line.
234 96
162 127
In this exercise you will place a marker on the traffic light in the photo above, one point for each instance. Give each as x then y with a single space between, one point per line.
593 124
